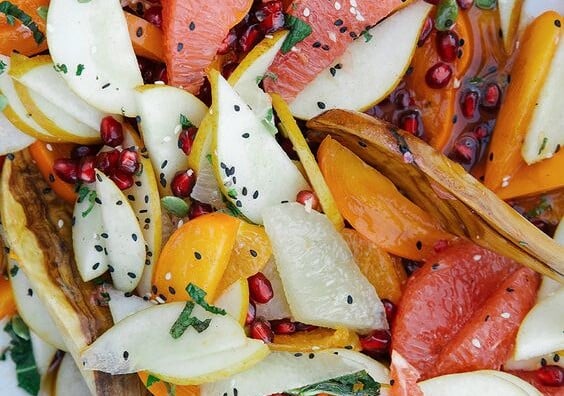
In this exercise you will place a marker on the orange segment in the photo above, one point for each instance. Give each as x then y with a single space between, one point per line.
19 38
147 39
530 69
250 254
159 388
382 271
314 340
374 207
44 155
7 303
198 253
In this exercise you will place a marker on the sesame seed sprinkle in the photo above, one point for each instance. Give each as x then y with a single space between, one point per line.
476 343
505 315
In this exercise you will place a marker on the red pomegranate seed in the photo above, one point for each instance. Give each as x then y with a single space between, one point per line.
283 326
465 4
304 327
128 161
260 330
376 343
186 139
250 38
111 131
107 161
410 123
390 308
79 152
154 15
122 179
551 375
86 172
260 288
481 132
66 169
272 22
426 31
465 149
438 76
492 94
447 45
304 196
251 313
228 43
198 209
469 104
183 183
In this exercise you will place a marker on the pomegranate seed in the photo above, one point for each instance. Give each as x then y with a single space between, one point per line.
272 22
205 93
86 172
492 94
154 15
376 343
128 161
122 179
410 123
551 375
469 104
228 69
186 139
283 326
447 45
79 152
304 196
228 43
198 209
304 327
111 131
390 308
251 313
402 99
66 169
438 76
465 149
260 288
183 183
250 38
481 132
465 4
260 330
426 31
107 161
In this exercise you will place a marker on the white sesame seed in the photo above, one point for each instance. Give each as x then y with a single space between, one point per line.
307 12
159 300
456 83
476 343
60 223
506 178
477 257
189 172
333 37
166 139
177 129
337 5
268 36
504 184
353 3
505 315
359 17
49 147
180 223
168 276
159 82
315 348
352 10
308 204
294 49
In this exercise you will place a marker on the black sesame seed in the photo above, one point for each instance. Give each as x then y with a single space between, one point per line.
198 255
239 204
98 248
237 108
148 220
349 299
510 290
235 392
118 203
192 26
244 191
139 32
255 194
162 297
164 164
487 318
134 237
311 355
333 71
343 29
105 85
110 268
419 245
10 156
435 266
349 347
171 290
127 294
125 355
245 135
30 292
392 382
543 362
104 235
557 23
46 190
298 354
98 201
131 275
253 253
51 177
147 262
362 144
556 358
95 266
317 44
338 22
131 197
146 199
321 105
325 47
179 47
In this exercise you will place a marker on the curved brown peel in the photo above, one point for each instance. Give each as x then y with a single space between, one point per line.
38 229
443 188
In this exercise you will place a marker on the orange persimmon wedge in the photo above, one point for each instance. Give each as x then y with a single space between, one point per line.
7 302
374 207
16 37
321 338
159 388
147 39
530 69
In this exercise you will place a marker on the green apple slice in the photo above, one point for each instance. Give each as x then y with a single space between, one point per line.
482 383
369 70
125 243
31 309
509 12
235 301
252 170
160 110
11 138
90 44
69 380
277 308
322 282
282 371
142 342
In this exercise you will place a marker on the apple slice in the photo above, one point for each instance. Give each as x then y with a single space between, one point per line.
369 70
509 13
142 342
11 138
235 301
161 111
277 308
282 371
89 42
252 170
323 284
69 380
123 305
481 382
125 243
43 352
31 309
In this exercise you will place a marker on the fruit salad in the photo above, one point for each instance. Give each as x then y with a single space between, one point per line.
281 197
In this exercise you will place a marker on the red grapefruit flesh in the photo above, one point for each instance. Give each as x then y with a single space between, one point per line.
404 377
335 24
531 378
193 32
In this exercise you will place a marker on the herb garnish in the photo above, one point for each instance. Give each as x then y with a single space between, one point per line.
199 295
12 12
151 379
42 12
357 384
232 193
185 122
543 206
176 206
79 69
486 4
83 193
543 145
299 30
447 12
61 68
2 67
367 36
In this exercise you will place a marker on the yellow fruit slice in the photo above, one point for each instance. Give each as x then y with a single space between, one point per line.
315 340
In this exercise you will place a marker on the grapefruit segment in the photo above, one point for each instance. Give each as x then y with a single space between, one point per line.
334 25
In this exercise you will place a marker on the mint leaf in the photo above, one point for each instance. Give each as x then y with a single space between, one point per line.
486 4
79 69
199 295
185 320
299 30
185 122
2 67
151 379
12 12
92 201
357 384
42 12
232 193
176 206
61 68
447 12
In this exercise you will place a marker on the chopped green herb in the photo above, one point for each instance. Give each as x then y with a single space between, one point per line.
170 389
176 206
79 69
299 30
12 13
61 68
151 379
185 122
84 1
209 158
543 145
486 4
476 80
14 270
199 295
2 67
357 384
268 122
91 200
20 328
42 12
259 79
185 320
231 209
232 193
3 102
367 36
447 12
82 192
543 206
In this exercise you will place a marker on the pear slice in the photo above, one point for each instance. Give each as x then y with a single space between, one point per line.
533 8
323 284
534 363
123 305
252 170
11 138
160 110
277 308
142 342
125 243
43 352
69 380
370 69
89 42
282 371
524 385
509 13
235 301
470 384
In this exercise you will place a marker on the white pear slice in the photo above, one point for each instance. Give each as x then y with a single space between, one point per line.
142 342
235 301
533 8
31 309
534 363
509 12
11 138
125 243
8 367
160 108
541 332
123 305
282 371
528 388
43 352
545 131
69 380
89 238
38 74
252 170
277 308
481 383
322 282
369 70
93 36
